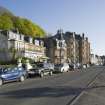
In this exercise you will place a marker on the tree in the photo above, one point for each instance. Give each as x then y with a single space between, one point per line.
6 22
40 31
27 27
19 24
24 26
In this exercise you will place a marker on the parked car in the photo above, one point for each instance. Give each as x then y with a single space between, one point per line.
61 67
84 66
71 67
41 69
12 74
51 66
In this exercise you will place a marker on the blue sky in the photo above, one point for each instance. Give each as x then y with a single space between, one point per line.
79 16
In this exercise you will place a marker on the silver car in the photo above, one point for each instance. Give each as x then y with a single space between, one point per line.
61 67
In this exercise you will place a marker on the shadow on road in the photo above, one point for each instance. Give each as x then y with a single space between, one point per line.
42 92
60 91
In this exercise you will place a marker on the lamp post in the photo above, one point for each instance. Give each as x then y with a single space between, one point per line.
61 44
74 55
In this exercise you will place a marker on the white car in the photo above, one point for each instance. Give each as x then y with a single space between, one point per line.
61 67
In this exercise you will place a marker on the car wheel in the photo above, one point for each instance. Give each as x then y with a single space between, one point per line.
1 82
22 78
50 73
41 74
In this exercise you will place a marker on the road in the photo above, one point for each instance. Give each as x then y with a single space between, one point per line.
59 89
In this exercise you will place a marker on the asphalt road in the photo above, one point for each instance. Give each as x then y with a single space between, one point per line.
59 89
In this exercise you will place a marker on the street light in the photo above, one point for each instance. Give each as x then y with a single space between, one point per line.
60 44
74 56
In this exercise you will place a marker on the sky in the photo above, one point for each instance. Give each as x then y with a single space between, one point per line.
80 16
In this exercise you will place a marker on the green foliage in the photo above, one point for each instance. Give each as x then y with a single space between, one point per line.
6 22
24 26
23 60
40 32
19 24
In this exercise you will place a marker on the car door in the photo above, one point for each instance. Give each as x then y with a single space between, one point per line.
14 73
46 68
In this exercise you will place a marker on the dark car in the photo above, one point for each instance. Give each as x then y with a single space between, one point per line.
12 74
71 67
41 69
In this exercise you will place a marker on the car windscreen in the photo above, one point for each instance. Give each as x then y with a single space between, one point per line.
17 69
39 65
5 70
59 65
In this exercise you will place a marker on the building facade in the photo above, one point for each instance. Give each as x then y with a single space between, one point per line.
73 50
76 48
56 48
14 45
97 60
62 47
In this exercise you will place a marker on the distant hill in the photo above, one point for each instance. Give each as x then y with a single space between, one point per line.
4 10
8 21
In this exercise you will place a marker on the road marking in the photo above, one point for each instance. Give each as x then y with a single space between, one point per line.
76 99
84 92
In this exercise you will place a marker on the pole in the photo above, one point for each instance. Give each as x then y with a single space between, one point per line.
74 48
60 41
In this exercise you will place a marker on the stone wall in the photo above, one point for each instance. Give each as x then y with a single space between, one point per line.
4 56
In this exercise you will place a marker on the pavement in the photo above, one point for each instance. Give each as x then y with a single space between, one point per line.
79 87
